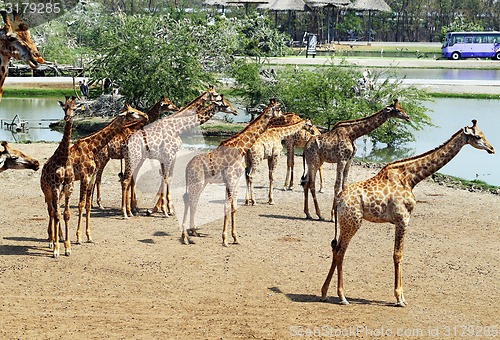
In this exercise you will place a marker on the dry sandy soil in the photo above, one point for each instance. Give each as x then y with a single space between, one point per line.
138 281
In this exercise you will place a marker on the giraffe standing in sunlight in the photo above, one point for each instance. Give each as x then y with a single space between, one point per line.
388 197
225 164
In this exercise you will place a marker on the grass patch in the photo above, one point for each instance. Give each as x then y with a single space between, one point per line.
36 92
464 95
460 183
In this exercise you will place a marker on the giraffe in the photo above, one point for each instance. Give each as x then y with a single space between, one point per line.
54 174
114 149
299 139
268 146
161 141
388 197
15 42
83 165
13 159
225 165
338 146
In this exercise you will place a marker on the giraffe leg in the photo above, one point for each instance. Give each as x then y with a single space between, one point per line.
160 196
312 188
289 168
232 198
350 219
68 190
97 186
249 199
321 182
341 165
272 162
398 270
326 284
81 204
88 206
169 204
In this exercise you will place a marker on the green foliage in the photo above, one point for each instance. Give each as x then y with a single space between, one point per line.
153 55
331 94
461 24
259 39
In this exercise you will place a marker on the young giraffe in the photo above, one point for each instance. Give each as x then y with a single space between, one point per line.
83 165
388 197
115 147
161 141
15 41
299 139
268 146
54 174
338 146
16 160
225 165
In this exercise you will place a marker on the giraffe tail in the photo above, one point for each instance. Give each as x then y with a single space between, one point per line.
334 241
303 179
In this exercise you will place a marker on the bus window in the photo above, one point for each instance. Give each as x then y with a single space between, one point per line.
477 40
468 40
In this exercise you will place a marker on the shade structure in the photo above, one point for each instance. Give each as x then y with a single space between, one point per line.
285 6
370 6
246 2
331 5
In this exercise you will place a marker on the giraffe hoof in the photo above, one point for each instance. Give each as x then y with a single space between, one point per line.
149 212
400 304
270 203
67 252
323 299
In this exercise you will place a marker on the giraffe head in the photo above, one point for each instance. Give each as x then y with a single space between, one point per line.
273 109
17 41
167 105
14 159
396 111
224 106
69 107
131 116
309 127
476 138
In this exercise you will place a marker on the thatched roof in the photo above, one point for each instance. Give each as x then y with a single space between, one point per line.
333 3
371 5
247 1
285 5
215 2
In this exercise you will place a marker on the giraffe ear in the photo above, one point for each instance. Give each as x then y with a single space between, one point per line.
61 103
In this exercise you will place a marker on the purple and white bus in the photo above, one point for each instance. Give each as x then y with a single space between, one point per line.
457 45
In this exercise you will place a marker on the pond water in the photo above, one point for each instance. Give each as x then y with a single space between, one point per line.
448 114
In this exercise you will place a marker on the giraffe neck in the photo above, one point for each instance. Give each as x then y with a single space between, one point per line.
360 127
244 139
153 113
193 106
184 122
101 138
287 130
4 69
62 150
417 168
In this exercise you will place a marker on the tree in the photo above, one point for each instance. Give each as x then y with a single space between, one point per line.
331 94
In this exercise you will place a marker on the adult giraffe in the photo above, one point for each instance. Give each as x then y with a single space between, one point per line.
225 165
161 141
15 42
388 197
338 146
117 145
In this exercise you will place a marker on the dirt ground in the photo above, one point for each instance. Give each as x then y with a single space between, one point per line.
138 281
